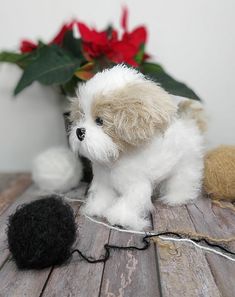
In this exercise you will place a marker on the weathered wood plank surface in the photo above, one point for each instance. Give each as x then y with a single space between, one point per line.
219 223
15 283
80 278
13 188
130 273
184 270
6 179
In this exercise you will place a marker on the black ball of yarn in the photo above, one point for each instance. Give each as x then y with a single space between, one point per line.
41 233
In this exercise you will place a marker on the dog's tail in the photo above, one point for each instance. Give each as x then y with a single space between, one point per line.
193 110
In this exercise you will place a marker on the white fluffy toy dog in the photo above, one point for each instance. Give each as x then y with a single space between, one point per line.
137 140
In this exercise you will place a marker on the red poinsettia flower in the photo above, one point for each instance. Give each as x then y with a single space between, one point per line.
96 43
27 46
106 43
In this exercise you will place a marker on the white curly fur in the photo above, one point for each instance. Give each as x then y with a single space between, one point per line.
124 180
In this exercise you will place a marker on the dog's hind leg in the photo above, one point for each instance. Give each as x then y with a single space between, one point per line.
184 184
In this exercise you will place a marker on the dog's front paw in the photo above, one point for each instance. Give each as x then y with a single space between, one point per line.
122 214
95 208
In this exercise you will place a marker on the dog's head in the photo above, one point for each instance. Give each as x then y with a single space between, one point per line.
118 110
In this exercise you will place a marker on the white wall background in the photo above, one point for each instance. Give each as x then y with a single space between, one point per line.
194 40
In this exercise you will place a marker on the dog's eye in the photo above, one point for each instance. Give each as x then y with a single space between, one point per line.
99 121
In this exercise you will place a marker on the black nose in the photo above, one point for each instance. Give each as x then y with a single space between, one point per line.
81 133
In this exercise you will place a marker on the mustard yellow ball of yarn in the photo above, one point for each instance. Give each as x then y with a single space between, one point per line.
219 175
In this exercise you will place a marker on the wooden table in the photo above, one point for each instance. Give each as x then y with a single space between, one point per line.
180 271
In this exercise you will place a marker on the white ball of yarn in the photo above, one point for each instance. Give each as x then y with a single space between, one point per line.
57 169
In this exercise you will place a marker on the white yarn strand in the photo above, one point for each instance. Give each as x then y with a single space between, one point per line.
163 237
198 245
114 228
73 200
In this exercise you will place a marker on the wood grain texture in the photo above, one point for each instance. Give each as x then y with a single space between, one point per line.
14 188
218 223
184 270
6 179
80 278
15 283
130 273
176 270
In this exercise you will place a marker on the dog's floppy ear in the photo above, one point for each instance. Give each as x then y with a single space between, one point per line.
141 110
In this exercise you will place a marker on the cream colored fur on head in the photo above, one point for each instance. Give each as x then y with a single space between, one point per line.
138 104
131 130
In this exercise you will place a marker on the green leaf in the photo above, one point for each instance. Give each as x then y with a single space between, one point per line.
109 31
73 45
157 73
70 86
140 54
21 60
14 58
52 65
28 59
10 57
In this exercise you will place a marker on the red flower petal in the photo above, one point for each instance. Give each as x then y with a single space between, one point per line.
136 37
113 37
97 43
58 39
85 32
123 53
146 57
27 46
124 18
93 36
